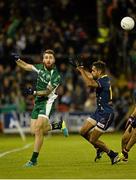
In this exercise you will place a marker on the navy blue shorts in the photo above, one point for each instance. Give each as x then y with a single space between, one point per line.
103 119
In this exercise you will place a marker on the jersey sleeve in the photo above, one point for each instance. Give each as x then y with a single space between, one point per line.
37 67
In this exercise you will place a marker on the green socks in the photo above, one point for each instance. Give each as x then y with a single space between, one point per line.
34 156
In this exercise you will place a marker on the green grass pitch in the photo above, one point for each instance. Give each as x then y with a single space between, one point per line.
60 157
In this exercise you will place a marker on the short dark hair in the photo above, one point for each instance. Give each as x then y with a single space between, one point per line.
100 65
49 51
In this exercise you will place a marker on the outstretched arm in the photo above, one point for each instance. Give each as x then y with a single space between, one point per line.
87 77
21 63
24 65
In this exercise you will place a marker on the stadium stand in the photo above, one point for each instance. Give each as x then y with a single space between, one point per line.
61 26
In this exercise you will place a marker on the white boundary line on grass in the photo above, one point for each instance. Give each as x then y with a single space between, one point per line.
20 149
15 150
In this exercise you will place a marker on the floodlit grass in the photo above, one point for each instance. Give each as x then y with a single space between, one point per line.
61 157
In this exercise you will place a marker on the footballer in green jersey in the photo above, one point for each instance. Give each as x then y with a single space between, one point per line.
48 79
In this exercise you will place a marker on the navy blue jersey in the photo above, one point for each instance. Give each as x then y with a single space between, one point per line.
104 94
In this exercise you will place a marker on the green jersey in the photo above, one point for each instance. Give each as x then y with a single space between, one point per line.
46 78
44 106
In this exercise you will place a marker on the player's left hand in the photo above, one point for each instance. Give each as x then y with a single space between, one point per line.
80 68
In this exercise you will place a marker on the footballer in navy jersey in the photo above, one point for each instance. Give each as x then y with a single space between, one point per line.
104 113
102 118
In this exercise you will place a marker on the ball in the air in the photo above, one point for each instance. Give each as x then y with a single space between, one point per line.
127 23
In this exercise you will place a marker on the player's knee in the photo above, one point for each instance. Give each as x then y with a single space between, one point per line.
32 131
82 132
46 131
92 141
38 130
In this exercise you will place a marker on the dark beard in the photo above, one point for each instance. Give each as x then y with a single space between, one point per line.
50 68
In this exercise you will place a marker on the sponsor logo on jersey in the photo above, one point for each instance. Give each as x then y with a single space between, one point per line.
100 125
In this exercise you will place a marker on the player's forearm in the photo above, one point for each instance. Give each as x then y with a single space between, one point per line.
85 78
134 113
88 74
88 80
24 65
42 93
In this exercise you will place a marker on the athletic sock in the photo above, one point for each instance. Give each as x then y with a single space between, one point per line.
56 125
125 153
111 154
125 150
34 156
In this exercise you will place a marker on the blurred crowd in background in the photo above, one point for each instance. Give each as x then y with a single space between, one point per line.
30 27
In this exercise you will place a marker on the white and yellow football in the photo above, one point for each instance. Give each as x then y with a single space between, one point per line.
127 23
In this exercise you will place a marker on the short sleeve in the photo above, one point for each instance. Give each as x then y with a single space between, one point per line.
37 67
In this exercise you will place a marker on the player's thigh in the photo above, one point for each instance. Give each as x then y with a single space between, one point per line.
47 128
46 125
87 126
42 122
33 125
34 117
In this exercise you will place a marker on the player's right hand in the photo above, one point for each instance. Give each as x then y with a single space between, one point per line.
15 56
29 91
